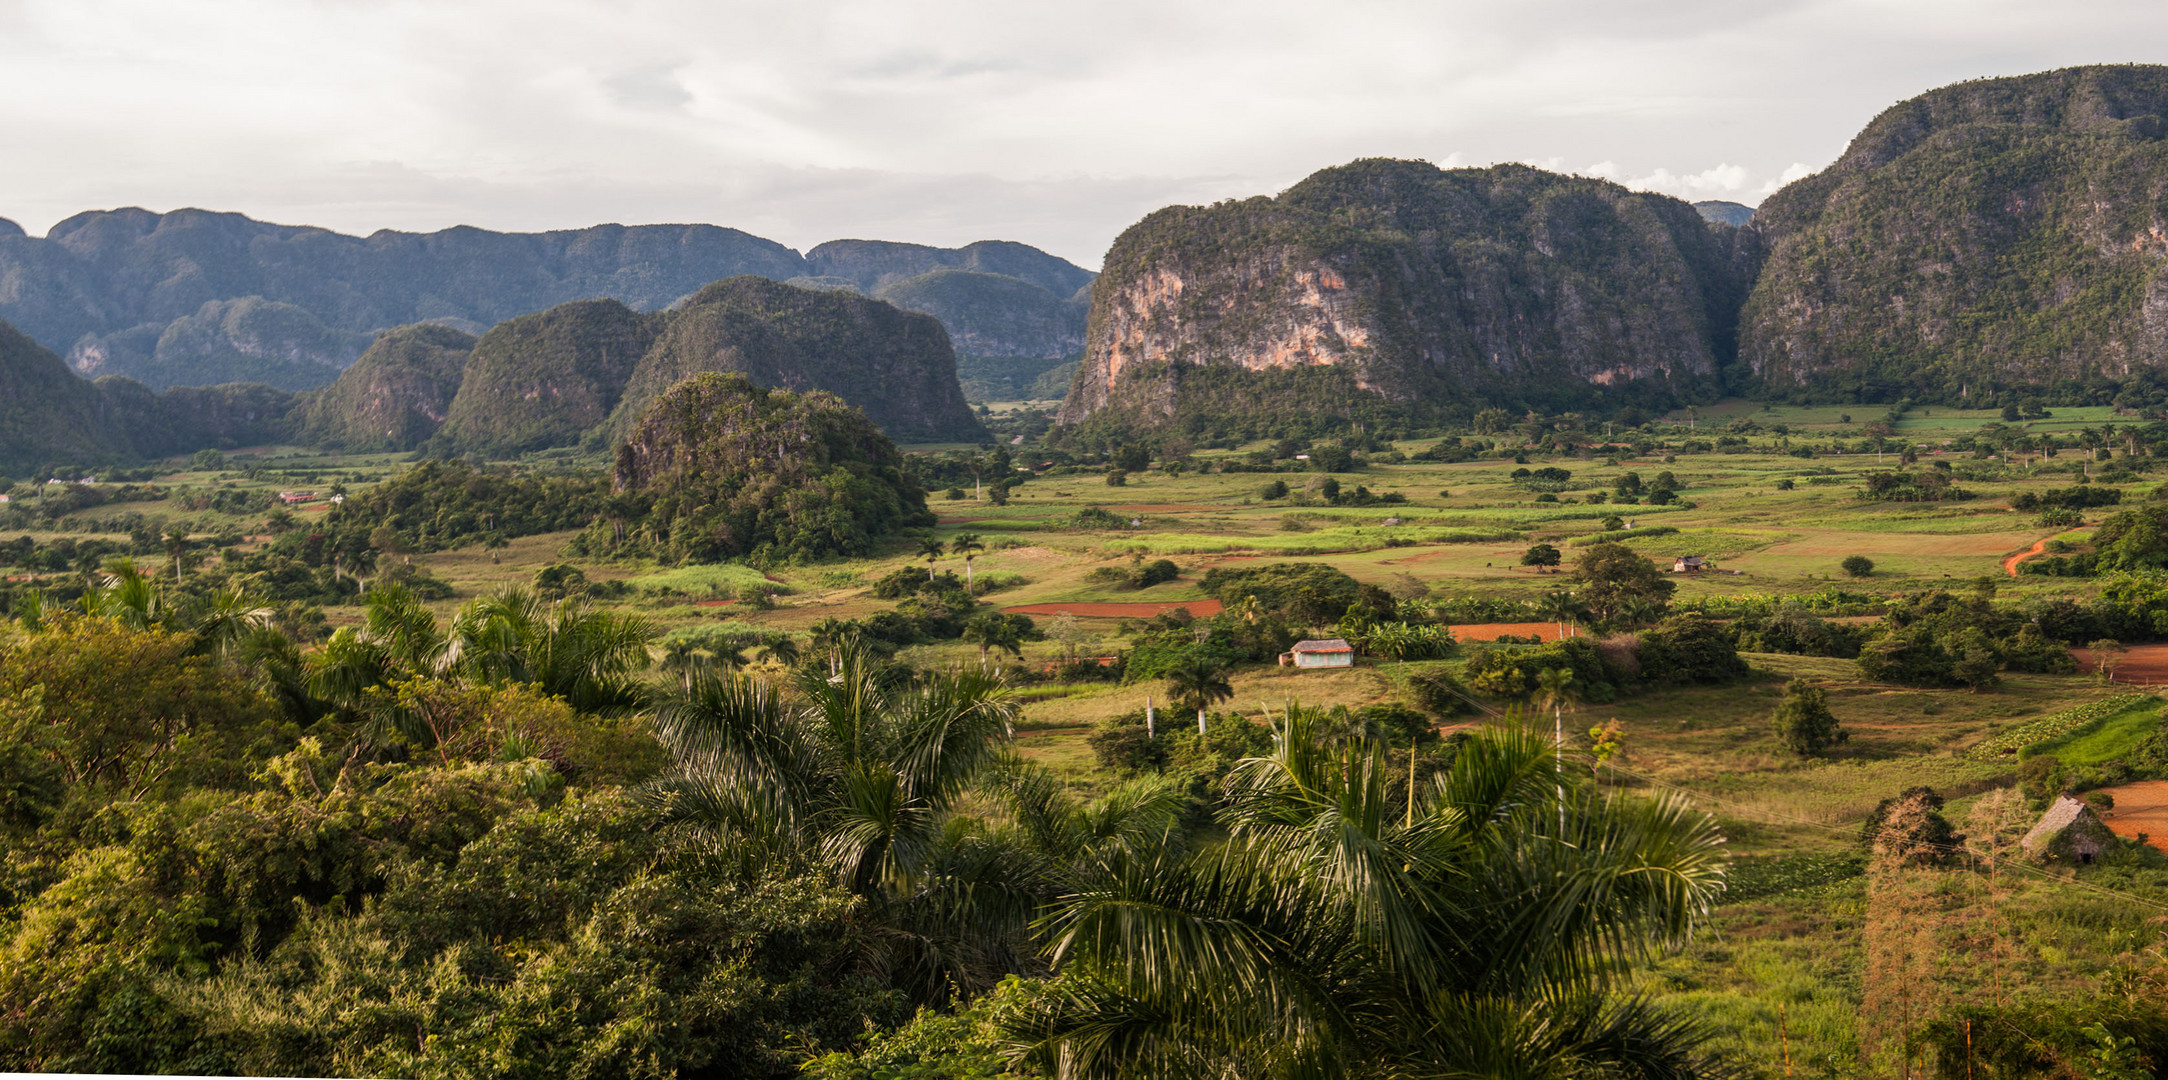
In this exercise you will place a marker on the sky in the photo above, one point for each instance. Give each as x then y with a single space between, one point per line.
948 121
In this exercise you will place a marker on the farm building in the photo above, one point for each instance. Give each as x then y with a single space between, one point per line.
1689 564
2068 832
1328 652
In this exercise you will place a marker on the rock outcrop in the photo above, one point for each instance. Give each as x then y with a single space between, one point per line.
1402 286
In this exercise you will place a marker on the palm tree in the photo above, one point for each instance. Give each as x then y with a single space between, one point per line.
1560 608
930 550
125 594
227 620
176 539
1554 691
966 545
862 783
781 648
571 651
1335 933
1198 683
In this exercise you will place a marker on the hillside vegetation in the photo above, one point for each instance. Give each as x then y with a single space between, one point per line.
1994 237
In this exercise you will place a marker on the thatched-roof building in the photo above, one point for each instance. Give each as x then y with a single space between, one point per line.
2069 832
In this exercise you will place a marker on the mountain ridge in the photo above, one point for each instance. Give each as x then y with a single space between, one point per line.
114 290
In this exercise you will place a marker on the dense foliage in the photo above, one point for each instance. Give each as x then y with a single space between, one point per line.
727 469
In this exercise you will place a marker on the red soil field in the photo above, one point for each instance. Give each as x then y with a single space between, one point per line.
1197 608
2143 665
1491 631
2140 808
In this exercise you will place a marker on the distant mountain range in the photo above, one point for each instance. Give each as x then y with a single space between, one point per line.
1984 243
194 297
1725 213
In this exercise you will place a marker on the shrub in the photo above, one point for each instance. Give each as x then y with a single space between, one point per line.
1857 565
1117 477
1804 723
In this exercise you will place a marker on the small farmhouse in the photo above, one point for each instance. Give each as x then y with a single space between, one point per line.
1689 564
1325 653
2068 832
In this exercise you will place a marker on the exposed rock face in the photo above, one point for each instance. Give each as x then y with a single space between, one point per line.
395 397
544 379
1996 234
1419 286
895 365
245 340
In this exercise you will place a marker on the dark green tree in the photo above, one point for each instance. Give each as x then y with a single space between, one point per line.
1803 721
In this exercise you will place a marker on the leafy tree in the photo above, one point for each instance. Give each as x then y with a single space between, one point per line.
1131 457
1541 556
1608 576
123 711
1803 721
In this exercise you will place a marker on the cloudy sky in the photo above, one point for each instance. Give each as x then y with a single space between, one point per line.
946 121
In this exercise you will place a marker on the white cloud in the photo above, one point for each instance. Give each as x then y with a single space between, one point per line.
945 121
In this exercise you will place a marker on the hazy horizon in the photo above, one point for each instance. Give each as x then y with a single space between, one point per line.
944 122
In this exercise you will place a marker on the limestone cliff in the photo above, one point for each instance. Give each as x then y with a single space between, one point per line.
1399 285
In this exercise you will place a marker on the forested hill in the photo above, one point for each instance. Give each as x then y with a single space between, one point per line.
1992 235
1396 284
588 369
51 415
195 297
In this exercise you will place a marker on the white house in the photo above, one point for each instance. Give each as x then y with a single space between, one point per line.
1326 653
